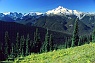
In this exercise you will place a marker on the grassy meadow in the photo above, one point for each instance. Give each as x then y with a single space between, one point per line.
79 54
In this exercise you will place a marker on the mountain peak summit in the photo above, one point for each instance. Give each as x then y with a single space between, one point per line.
6 13
60 7
60 10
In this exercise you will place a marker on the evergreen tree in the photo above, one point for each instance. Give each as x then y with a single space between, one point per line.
7 44
93 36
85 39
65 46
30 46
2 55
35 35
82 40
88 39
27 45
50 43
79 42
37 42
12 50
17 44
45 46
75 37
66 42
22 44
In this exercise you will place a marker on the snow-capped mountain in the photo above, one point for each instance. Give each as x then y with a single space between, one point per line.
61 11
14 16
10 16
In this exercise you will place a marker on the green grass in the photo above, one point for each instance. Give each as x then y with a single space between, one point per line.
80 54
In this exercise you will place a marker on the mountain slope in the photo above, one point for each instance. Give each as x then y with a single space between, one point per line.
13 28
89 20
62 19
62 23
80 54
58 19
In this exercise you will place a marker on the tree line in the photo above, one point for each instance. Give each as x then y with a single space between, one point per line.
25 46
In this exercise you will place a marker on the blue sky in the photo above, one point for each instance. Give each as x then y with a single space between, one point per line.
25 6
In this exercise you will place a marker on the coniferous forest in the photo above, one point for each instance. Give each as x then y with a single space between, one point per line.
23 45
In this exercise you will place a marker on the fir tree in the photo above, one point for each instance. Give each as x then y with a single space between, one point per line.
2 55
7 44
22 44
65 46
37 42
30 46
50 43
12 50
27 45
66 42
17 44
88 39
93 36
35 35
45 46
79 42
75 37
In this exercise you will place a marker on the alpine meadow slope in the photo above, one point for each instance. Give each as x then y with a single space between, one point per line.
79 54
